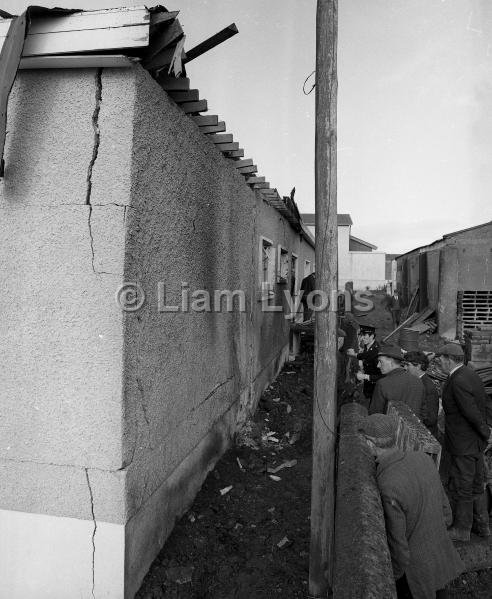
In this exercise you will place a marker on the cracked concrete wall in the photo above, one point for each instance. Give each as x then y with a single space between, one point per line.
113 419
194 225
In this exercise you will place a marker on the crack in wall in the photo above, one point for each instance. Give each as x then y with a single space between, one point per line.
95 152
93 532
144 411
217 386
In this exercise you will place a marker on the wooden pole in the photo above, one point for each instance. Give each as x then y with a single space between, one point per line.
325 357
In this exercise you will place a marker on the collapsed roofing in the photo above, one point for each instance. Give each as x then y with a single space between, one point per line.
43 38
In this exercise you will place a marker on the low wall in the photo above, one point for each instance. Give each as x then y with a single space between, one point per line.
411 434
362 561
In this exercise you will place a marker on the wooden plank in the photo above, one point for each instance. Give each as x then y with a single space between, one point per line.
228 147
412 318
77 61
90 20
189 107
170 83
236 153
211 42
245 162
158 41
191 95
252 180
206 120
10 55
221 126
225 138
158 18
245 170
72 42
261 185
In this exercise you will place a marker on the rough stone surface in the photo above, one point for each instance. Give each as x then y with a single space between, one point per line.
362 562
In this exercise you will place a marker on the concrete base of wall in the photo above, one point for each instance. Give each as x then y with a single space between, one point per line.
147 531
50 557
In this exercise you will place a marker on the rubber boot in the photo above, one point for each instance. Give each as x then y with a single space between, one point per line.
462 523
481 516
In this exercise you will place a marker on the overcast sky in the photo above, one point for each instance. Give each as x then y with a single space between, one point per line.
414 105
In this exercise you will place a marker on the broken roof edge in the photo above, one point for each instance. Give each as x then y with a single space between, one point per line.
160 41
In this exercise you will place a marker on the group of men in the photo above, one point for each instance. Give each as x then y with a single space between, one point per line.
420 524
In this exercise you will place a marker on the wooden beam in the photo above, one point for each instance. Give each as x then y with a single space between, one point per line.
158 18
170 83
211 42
252 180
244 170
88 40
190 107
159 41
191 95
89 20
77 61
228 147
225 138
236 153
206 120
221 126
10 55
321 555
261 185
245 162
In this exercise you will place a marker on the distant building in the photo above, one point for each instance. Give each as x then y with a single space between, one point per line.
358 260
454 276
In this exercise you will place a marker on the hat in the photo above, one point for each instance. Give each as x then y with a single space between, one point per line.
391 351
367 328
417 357
450 349
378 426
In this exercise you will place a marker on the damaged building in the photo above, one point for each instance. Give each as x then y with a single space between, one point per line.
123 206
453 277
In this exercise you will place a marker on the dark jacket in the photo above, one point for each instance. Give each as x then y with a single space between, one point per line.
398 385
416 512
369 359
431 404
464 402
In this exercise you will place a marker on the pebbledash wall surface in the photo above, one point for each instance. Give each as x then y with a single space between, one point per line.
111 419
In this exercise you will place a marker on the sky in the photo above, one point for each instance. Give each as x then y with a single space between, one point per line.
414 116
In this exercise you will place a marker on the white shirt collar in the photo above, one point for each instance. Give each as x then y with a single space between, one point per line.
455 369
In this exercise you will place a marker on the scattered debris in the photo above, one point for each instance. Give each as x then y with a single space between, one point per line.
241 467
275 478
225 490
180 574
285 541
288 464
289 408
276 399
295 437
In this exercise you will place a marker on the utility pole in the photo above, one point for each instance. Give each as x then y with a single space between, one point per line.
325 356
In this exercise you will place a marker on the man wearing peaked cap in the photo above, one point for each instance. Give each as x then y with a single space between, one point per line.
416 512
368 355
467 417
396 384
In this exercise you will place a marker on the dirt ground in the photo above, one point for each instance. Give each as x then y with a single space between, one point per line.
247 533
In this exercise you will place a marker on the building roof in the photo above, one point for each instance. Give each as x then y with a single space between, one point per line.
308 219
369 245
119 37
440 242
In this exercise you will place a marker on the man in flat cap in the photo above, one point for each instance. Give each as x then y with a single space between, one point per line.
416 512
368 355
416 364
396 384
467 436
